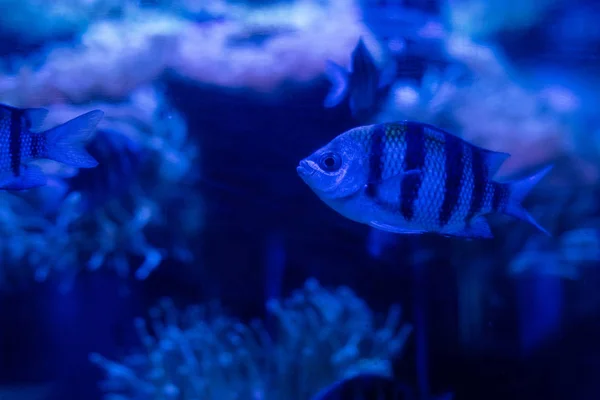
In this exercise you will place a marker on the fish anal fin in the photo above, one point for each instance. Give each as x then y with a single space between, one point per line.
30 176
395 229
478 227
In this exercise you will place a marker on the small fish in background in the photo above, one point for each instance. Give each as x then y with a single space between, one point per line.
20 145
412 178
366 387
364 84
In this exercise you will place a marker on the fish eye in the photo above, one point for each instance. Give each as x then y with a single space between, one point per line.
330 162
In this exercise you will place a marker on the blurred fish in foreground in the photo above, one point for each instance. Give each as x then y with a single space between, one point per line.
363 84
413 178
20 145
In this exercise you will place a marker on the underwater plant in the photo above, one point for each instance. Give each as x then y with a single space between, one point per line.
259 48
320 336
110 216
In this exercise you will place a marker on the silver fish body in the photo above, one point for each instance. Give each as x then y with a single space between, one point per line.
408 177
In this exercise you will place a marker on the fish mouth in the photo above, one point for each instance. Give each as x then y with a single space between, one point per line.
304 169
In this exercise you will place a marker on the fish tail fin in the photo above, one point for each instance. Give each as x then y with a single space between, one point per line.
338 77
518 190
65 143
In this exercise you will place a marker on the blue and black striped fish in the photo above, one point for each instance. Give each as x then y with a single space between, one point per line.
412 178
20 145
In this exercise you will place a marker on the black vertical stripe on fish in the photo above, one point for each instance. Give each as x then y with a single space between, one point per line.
498 195
479 169
454 165
414 160
375 158
14 142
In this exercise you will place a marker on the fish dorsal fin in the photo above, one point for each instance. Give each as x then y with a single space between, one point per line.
359 53
35 117
6 111
436 133
478 227
362 62
494 160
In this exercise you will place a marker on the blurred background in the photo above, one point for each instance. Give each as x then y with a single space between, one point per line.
192 263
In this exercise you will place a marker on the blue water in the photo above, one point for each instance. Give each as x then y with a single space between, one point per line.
194 264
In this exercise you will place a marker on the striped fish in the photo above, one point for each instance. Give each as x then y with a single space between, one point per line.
364 84
408 177
19 145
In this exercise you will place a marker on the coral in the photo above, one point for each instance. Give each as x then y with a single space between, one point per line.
320 336
84 231
564 257
323 336
254 47
468 16
33 20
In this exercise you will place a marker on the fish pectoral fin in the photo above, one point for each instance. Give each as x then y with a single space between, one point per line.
385 192
396 180
412 172
395 229
478 227
398 177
